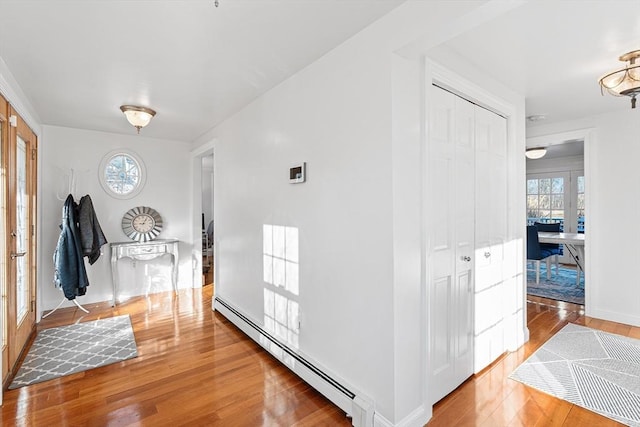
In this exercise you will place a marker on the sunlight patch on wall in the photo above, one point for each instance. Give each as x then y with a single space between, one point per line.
280 274
280 257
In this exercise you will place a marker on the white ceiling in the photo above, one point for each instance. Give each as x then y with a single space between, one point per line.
554 52
195 64
567 149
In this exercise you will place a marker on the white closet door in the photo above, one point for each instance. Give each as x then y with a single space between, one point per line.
451 232
490 235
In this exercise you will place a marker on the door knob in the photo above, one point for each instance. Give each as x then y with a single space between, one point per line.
16 255
487 254
465 258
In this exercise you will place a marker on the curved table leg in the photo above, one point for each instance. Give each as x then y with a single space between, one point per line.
114 277
577 253
174 277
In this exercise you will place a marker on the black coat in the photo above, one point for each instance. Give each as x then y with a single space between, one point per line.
70 273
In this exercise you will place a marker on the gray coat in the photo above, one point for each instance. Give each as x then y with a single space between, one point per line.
91 236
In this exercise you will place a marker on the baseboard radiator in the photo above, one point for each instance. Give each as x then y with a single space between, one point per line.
360 409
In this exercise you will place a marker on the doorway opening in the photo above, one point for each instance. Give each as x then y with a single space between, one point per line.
207 220
556 193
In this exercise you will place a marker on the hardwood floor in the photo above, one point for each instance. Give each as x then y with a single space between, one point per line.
195 368
491 399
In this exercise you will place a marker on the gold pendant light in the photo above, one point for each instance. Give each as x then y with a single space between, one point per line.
625 81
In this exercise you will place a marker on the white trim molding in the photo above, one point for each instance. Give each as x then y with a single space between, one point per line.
559 138
588 136
195 211
419 417
12 91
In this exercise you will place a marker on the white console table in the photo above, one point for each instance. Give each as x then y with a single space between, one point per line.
143 252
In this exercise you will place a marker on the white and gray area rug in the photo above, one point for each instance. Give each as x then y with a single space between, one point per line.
596 370
75 348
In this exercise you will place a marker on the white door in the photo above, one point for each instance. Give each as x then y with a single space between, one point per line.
490 236
451 175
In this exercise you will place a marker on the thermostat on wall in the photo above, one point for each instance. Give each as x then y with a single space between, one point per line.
297 173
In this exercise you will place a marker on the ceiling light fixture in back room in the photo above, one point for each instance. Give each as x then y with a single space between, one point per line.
625 81
535 153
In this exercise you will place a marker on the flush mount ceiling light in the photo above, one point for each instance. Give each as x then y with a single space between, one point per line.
535 153
625 81
139 117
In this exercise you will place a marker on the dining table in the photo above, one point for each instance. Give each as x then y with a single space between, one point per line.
574 242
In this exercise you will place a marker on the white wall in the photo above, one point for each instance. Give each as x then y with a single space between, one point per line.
361 294
334 115
342 212
409 301
611 179
613 234
166 190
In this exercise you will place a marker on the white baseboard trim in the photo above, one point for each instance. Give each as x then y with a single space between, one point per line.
525 336
522 337
614 316
417 418
380 421
355 405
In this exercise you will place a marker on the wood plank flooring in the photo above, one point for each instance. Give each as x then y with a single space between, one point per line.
491 399
195 368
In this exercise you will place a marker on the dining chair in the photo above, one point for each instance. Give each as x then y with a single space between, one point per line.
551 227
207 248
535 252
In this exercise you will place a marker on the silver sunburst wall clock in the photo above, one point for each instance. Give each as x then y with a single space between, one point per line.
142 223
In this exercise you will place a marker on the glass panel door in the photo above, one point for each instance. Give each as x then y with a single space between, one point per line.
579 176
547 198
20 212
548 201
557 197
21 232
4 268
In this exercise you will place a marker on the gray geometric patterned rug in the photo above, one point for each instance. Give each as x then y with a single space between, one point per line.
589 368
75 348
